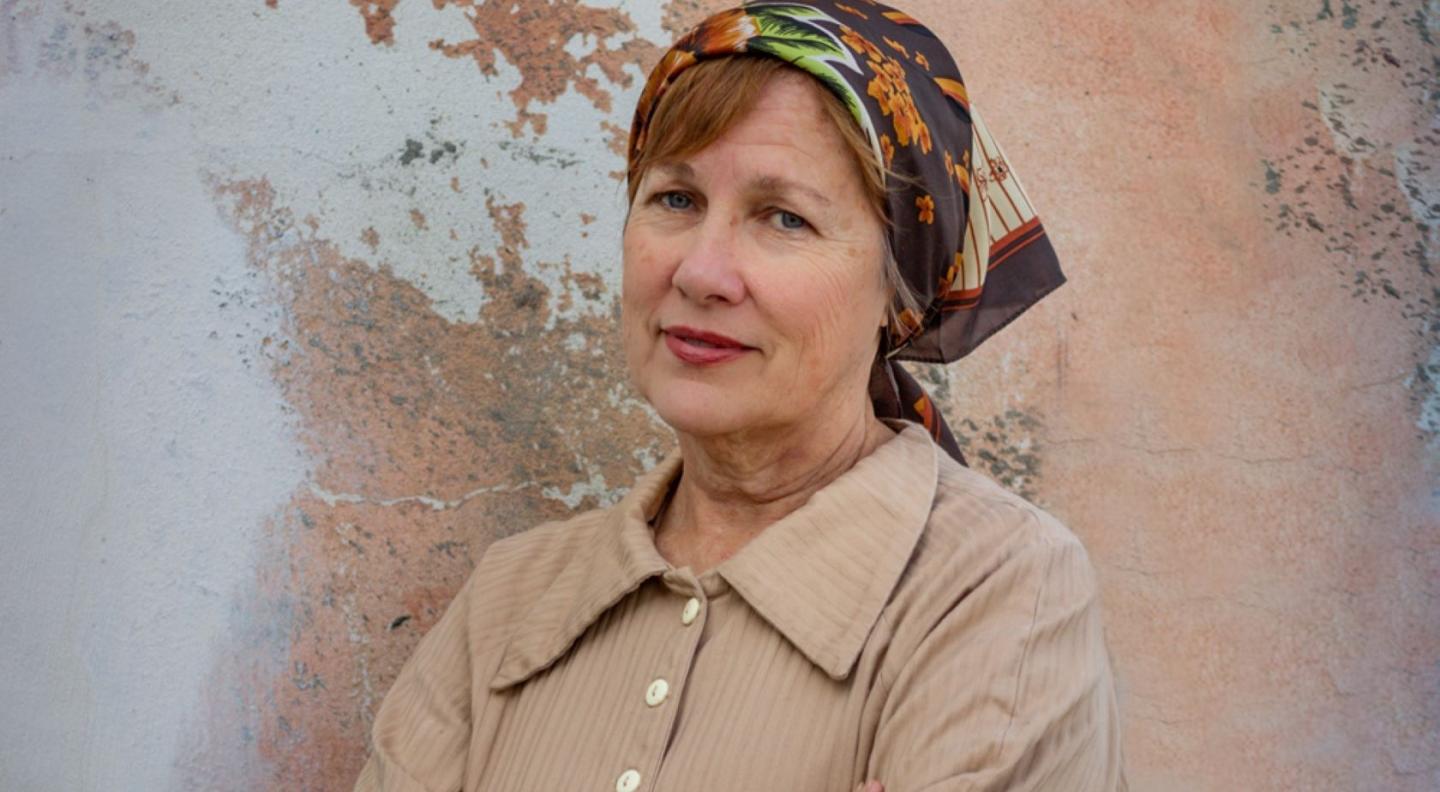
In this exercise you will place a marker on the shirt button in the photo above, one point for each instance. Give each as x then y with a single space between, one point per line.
656 693
629 781
692 609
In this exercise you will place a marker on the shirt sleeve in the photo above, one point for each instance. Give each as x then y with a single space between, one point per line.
422 731
1010 690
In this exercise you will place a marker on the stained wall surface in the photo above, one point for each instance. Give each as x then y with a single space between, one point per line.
302 304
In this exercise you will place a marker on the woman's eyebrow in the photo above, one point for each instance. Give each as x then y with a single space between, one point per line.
677 170
776 185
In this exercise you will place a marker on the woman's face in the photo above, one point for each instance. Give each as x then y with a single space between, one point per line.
753 293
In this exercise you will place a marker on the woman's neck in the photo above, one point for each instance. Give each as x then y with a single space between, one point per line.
732 487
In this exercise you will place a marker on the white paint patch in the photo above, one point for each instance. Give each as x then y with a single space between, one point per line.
436 504
575 342
359 136
1415 169
580 44
145 444
1429 387
595 488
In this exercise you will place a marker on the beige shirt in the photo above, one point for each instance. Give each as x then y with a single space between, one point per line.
913 623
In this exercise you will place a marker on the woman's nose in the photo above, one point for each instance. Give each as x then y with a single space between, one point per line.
710 269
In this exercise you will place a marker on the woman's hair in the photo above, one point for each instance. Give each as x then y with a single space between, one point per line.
709 98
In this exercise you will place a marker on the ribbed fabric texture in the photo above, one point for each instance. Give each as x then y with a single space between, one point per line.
913 623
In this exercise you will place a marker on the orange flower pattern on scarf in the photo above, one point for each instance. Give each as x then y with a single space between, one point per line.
926 205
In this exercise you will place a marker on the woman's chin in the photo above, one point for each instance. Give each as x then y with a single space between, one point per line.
701 411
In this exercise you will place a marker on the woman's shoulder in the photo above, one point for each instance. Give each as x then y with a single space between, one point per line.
549 543
972 511
985 545
516 569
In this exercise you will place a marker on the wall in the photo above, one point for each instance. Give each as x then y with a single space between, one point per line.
302 304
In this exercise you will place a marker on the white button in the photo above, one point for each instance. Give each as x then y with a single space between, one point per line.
629 781
656 693
692 609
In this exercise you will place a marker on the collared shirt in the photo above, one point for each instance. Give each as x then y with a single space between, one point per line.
913 623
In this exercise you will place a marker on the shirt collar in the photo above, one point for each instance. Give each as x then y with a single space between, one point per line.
821 575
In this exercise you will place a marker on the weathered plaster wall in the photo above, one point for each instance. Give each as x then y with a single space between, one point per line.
302 304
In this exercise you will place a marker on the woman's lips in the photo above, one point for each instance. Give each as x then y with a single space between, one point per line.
700 347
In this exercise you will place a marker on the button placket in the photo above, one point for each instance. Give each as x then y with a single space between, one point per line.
670 677
659 688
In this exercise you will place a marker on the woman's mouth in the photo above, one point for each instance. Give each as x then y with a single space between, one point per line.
701 347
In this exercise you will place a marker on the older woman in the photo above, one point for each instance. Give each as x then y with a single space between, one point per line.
812 592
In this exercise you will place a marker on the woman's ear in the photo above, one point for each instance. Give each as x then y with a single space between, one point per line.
890 320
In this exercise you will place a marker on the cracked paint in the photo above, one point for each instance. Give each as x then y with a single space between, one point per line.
1363 176
379 24
428 435
532 36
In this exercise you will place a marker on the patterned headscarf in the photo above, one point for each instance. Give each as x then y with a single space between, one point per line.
966 238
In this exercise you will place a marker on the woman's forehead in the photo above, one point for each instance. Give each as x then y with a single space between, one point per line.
792 99
784 137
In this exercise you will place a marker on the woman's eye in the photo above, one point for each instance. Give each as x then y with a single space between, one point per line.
676 200
790 221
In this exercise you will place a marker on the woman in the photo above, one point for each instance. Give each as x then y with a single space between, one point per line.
812 592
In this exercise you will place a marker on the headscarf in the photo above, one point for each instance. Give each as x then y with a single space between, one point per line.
966 238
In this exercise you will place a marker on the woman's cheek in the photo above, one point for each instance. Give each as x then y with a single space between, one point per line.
644 278
640 296
838 308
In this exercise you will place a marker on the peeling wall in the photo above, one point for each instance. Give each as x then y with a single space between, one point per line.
303 304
